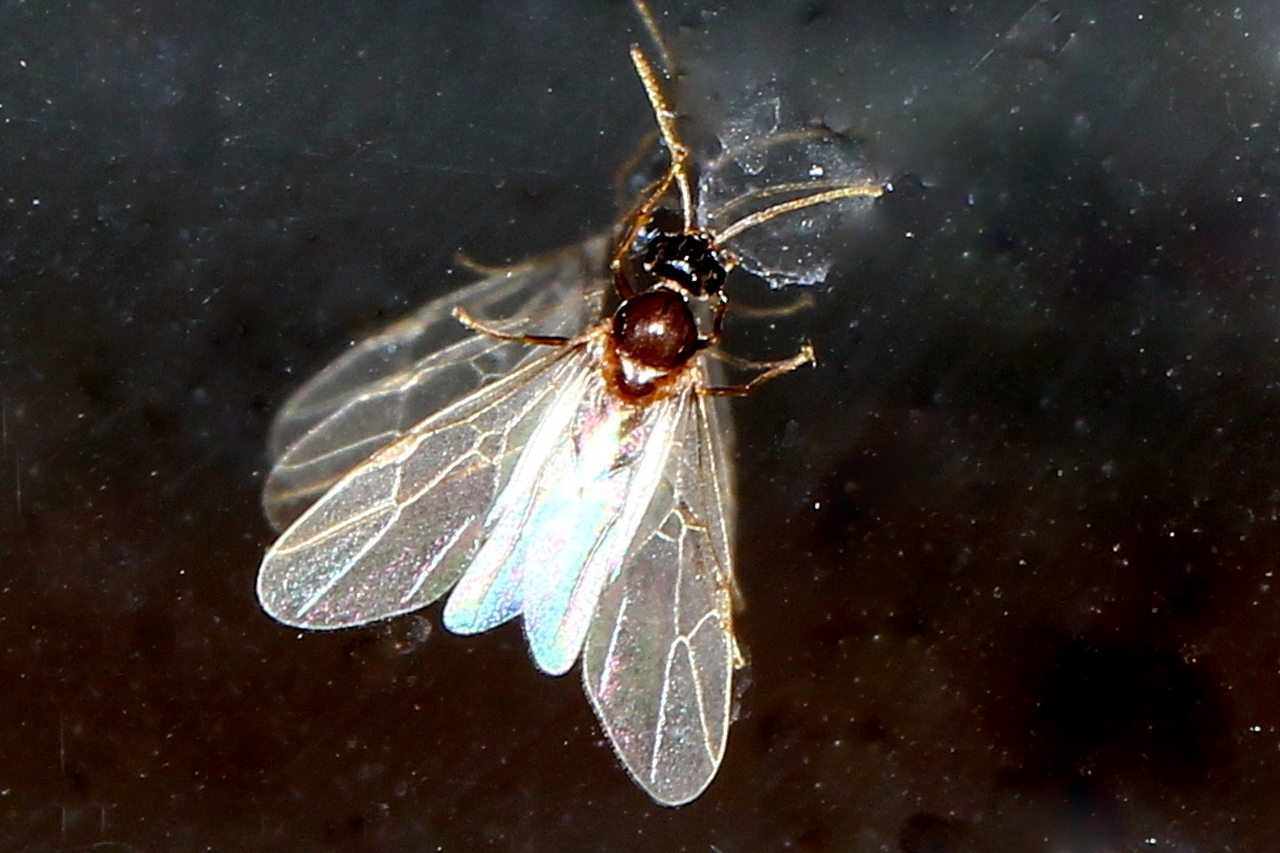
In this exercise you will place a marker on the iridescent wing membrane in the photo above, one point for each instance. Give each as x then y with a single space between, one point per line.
373 394
353 433
660 654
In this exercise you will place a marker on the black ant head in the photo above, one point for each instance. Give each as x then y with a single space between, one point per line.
665 251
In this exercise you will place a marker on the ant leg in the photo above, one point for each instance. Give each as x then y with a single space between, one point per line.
803 301
717 319
770 370
638 217
460 314
480 268
646 148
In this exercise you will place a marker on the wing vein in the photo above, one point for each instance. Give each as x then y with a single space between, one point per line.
431 566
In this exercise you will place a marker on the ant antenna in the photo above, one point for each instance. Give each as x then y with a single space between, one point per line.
655 35
867 190
666 118
678 171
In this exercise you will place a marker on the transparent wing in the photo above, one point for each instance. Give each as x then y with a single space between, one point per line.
564 523
395 533
372 395
761 167
660 654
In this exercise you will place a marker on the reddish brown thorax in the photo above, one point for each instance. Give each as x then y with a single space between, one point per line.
656 329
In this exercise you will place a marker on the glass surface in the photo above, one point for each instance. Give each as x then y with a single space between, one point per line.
1008 553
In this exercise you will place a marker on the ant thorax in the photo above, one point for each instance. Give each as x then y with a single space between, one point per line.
654 332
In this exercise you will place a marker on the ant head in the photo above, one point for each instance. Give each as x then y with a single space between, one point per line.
666 254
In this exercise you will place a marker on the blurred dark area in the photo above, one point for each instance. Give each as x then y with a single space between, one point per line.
1008 553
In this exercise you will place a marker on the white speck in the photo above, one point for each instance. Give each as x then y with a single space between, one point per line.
22 62
35 202
816 171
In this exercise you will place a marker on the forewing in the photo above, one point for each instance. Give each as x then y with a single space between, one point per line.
659 656
375 393
395 533
559 609
563 524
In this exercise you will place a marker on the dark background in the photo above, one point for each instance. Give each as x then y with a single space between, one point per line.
1009 553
